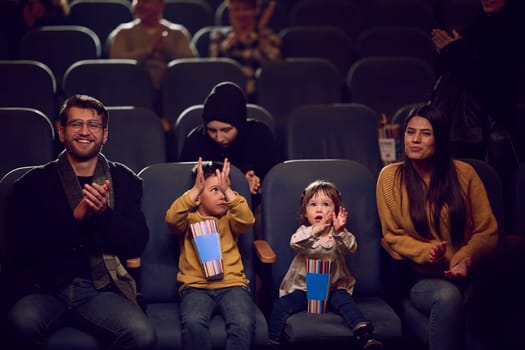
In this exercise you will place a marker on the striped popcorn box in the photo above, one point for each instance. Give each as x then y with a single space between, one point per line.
317 284
389 137
208 246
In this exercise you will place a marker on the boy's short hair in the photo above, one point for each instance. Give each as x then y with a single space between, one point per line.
208 169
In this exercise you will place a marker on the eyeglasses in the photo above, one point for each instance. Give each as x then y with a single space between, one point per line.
77 124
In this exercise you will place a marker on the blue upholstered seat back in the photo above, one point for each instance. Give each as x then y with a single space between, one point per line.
281 194
136 137
163 183
349 131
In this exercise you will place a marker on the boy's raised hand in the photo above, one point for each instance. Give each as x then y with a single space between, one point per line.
224 182
198 186
222 176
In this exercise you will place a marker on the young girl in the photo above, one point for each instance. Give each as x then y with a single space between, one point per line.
322 235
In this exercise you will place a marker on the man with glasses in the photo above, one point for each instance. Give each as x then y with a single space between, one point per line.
71 222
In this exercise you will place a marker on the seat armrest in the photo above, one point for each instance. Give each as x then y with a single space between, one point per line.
394 255
264 251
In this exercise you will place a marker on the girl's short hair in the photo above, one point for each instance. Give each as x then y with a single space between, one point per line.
328 188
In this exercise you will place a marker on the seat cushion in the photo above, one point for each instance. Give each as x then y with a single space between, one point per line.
303 327
166 319
68 338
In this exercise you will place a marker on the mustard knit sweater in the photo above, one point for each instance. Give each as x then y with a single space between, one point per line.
481 228
238 219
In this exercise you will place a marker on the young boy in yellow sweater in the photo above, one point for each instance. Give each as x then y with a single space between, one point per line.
222 286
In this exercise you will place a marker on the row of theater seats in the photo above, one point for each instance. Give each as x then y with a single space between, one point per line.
304 37
383 83
328 42
165 181
137 139
349 131
352 16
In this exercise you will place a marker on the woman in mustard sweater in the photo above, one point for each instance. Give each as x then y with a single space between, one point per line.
435 213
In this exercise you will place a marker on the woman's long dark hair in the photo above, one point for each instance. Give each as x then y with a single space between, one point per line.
443 190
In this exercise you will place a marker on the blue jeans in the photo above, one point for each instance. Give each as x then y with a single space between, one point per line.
338 300
104 313
198 306
442 301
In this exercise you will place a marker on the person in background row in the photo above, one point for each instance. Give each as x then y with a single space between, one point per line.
72 224
153 41
485 58
435 214
226 133
37 13
249 41
31 14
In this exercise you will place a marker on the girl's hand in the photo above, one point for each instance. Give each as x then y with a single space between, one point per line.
437 251
339 220
322 226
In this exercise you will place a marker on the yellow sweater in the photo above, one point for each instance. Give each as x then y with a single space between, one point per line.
238 219
481 228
